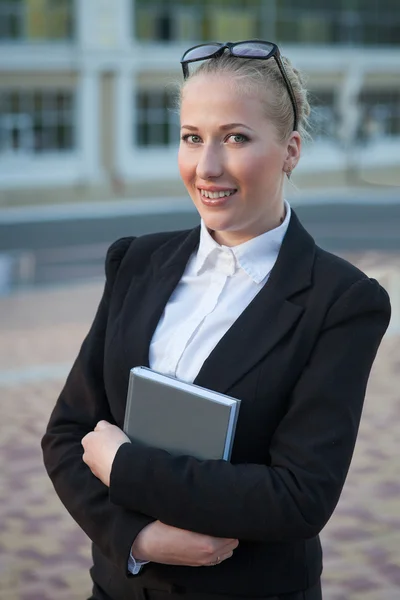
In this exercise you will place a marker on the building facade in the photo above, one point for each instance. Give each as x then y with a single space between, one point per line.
87 90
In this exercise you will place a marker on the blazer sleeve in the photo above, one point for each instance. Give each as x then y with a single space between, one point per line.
311 449
82 403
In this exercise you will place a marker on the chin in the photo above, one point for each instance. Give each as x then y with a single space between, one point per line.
215 223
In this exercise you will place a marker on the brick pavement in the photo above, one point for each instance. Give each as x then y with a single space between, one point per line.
44 555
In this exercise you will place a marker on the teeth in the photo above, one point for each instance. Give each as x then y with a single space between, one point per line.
215 195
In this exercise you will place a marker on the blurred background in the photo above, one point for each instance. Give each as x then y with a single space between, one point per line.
88 144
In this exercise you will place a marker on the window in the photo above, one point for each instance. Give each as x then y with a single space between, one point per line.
323 118
35 20
197 20
338 21
157 20
380 114
226 23
36 121
301 21
11 20
157 121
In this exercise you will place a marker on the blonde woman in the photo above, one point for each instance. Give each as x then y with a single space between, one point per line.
245 304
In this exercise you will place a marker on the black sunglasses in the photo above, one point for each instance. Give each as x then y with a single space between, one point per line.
247 49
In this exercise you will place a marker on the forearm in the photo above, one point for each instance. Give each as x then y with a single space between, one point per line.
164 544
227 501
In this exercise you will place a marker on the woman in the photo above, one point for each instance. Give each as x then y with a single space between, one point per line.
247 305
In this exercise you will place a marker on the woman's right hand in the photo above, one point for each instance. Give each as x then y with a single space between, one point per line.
169 545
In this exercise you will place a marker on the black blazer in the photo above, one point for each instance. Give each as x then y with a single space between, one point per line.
298 357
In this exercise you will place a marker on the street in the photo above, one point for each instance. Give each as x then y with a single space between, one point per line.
71 246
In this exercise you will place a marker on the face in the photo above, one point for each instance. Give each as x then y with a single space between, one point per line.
231 160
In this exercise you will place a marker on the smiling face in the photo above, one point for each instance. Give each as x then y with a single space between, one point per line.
231 160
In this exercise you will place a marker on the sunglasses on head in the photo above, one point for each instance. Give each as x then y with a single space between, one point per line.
247 49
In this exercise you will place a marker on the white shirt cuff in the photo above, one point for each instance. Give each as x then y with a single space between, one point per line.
134 565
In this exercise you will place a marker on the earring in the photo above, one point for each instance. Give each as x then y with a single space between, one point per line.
288 173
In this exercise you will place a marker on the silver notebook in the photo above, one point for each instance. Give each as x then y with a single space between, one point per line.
179 417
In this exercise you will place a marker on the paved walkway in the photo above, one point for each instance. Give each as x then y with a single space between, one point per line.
44 555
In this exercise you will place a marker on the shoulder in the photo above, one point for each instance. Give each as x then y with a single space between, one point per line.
140 248
329 273
116 252
349 286
338 271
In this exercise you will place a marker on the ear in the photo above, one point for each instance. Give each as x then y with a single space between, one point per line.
293 151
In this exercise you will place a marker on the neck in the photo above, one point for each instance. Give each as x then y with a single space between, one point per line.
240 236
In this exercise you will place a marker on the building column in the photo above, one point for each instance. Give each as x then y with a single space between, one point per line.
349 119
104 25
126 24
268 17
89 138
124 98
124 119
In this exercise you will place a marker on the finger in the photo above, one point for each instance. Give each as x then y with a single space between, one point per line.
222 557
226 547
225 556
101 425
86 439
217 560
228 541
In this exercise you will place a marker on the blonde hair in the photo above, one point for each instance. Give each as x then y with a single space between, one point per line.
266 76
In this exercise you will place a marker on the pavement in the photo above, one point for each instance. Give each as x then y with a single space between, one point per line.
59 243
43 553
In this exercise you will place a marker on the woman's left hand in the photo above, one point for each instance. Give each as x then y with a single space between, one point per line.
100 447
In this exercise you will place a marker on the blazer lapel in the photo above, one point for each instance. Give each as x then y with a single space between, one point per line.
267 318
149 294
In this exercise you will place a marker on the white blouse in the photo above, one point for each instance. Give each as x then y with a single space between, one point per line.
219 282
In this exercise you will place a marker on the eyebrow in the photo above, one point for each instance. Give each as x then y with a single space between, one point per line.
222 128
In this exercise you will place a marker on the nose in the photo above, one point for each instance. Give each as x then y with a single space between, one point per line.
210 163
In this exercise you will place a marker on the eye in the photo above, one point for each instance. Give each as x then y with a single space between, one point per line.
191 138
238 138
